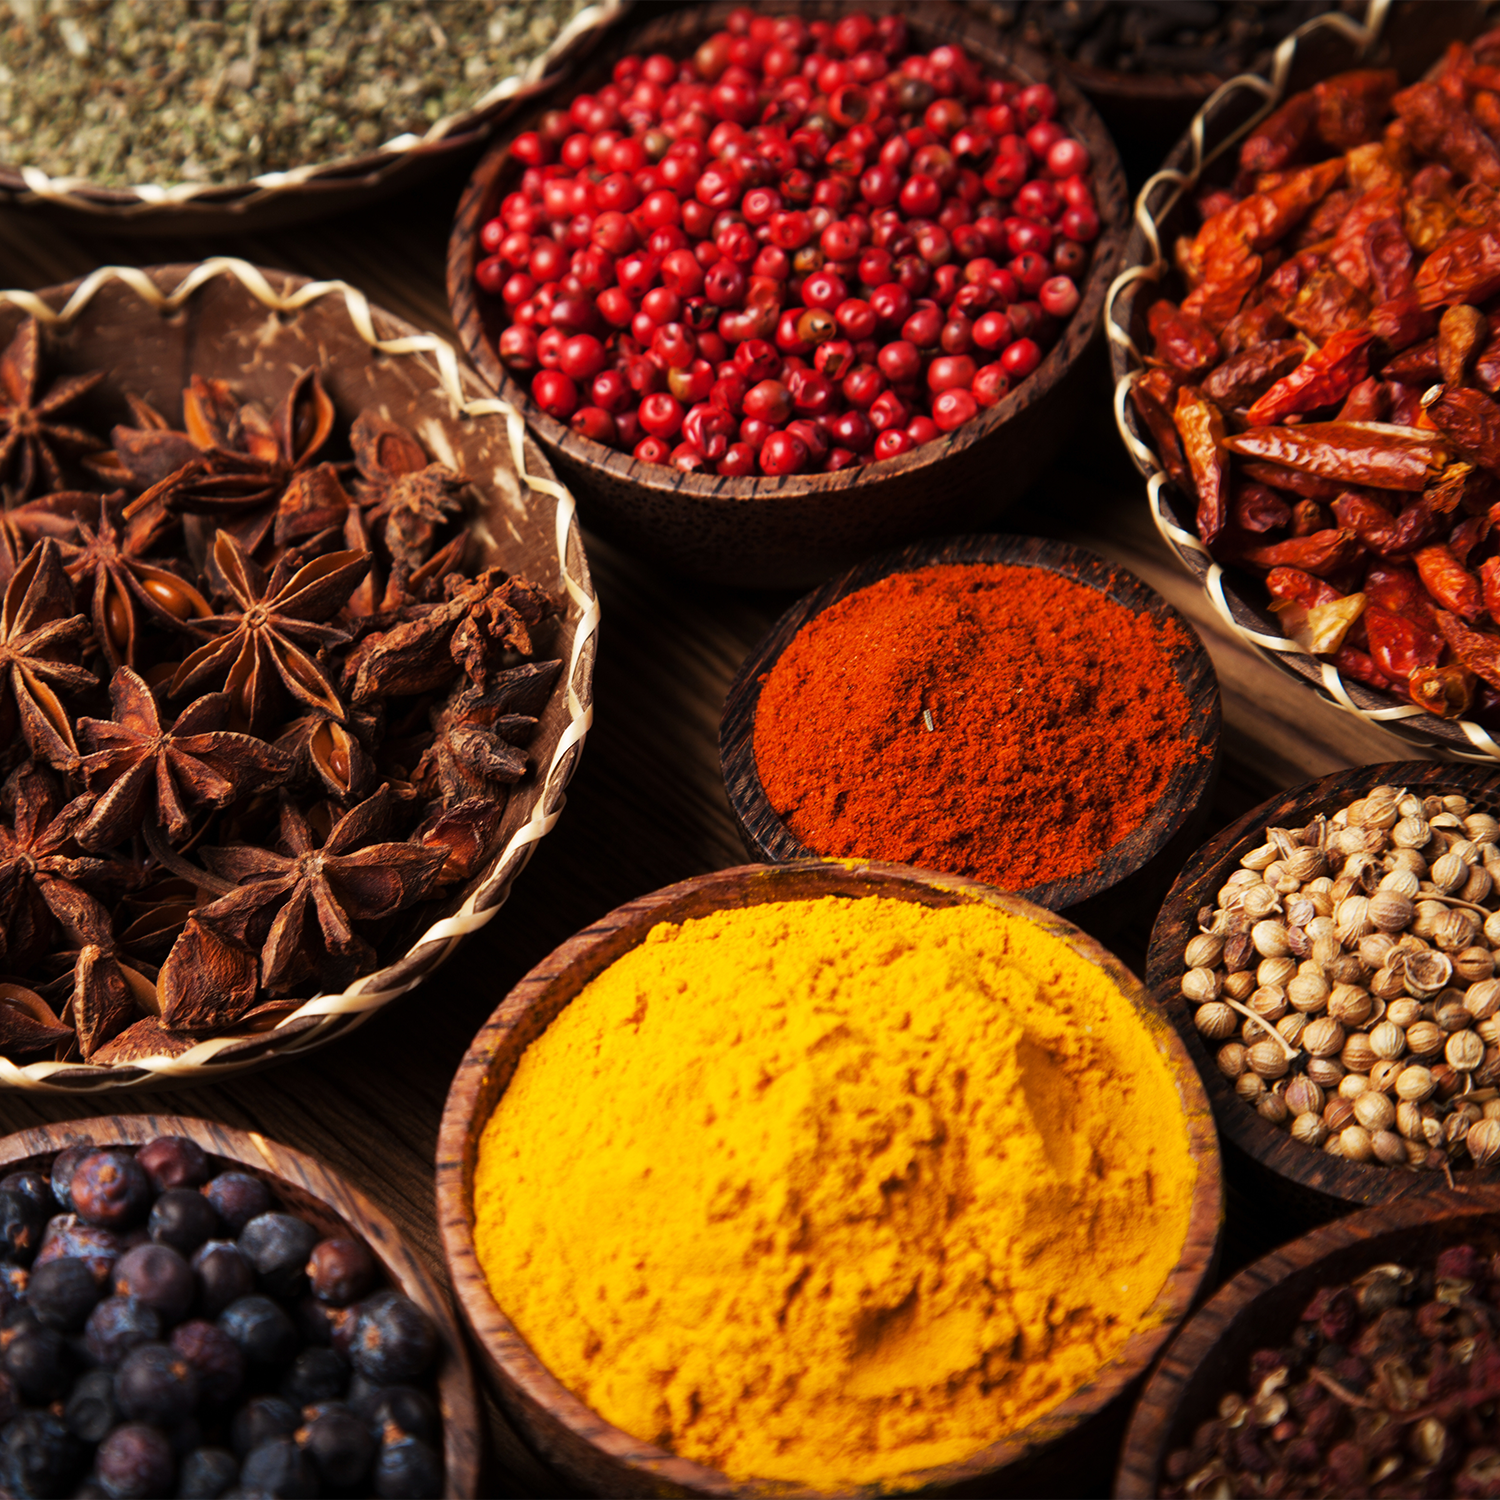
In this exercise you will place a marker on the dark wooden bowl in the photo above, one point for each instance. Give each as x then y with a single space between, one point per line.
795 531
1148 859
1313 1185
222 329
596 1458
1260 1307
308 1188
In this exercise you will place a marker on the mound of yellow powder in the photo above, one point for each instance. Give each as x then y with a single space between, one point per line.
827 1191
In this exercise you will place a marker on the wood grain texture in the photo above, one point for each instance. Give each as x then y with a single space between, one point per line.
332 1206
1319 1184
1147 859
599 1458
1260 1308
794 531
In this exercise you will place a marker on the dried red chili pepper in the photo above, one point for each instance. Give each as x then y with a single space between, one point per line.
1397 646
1489 583
1328 303
1255 326
1281 478
1349 255
1357 664
1322 379
1181 340
1466 536
1463 267
1321 553
1478 652
1471 421
1438 127
1400 322
1281 136
1226 283
1461 333
1352 106
1257 509
1447 692
1245 376
1388 254
1418 364
1448 582
1369 401
1374 453
1399 590
1201 426
1154 394
1285 583
1370 521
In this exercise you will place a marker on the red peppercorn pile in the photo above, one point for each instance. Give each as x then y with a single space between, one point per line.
805 249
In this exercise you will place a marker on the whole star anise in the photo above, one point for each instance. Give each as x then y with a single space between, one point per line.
259 659
29 439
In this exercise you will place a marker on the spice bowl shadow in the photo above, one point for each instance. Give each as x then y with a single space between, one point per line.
1260 1309
1060 1452
794 531
1307 1185
1125 886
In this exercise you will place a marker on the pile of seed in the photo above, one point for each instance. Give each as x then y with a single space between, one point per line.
217 91
1347 977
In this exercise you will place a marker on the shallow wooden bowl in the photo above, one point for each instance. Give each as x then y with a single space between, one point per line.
1148 859
795 531
151 330
1260 1307
1313 1184
308 1188
596 1458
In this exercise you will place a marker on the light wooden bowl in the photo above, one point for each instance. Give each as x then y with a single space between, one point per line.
1312 1184
309 1189
1260 1307
151 329
596 1458
795 531
1148 859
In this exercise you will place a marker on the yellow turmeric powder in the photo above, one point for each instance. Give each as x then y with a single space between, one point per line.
826 1191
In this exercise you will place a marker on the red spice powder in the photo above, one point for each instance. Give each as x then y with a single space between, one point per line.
1057 724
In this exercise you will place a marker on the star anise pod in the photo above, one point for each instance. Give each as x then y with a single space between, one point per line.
37 624
328 756
29 439
28 1023
477 733
123 582
258 659
464 832
108 994
145 454
141 771
298 909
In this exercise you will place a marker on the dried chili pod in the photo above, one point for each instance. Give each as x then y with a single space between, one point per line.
1447 692
1440 128
1464 266
1400 322
1369 520
1478 652
1244 376
1489 585
1153 393
1471 420
1323 378
1374 453
1279 477
1292 584
1399 590
1388 254
1201 426
1397 646
1448 582
1368 401
1351 107
1417 364
1352 662
1282 135
1350 253
1328 303
1256 508
1321 553
1462 332
1182 341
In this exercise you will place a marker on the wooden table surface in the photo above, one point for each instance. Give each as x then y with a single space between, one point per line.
647 806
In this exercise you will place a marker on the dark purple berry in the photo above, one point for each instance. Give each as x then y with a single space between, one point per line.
173 1161
36 1359
160 1277
278 1246
278 1468
182 1219
22 1224
156 1384
35 1187
62 1293
261 1419
320 1323
64 1164
14 1280
91 1411
393 1339
341 1271
237 1198
224 1276
206 1474
265 1334
316 1375
215 1358
402 1409
111 1190
340 1446
69 1238
134 1462
117 1326
41 1455
408 1468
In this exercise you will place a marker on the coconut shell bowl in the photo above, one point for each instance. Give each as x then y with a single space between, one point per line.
153 331
594 1457
304 1187
1310 1184
1261 1309
1129 879
796 530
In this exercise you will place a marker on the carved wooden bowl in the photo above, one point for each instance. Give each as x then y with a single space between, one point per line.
795 531
1260 1307
1312 1184
305 1187
1130 879
226 319
595 1458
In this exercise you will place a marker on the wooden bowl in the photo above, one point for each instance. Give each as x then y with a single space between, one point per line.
596 1458
1313 1184
305 1187
1148 859
795 531
1260 1307
154 328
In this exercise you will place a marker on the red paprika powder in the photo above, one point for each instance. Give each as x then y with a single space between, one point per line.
1003 723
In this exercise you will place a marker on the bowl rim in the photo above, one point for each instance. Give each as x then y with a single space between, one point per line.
763 828
947 23
322 1016
286 1168
520 1375
22 184
1359 1238
1308 1168
1230 113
